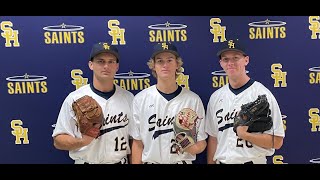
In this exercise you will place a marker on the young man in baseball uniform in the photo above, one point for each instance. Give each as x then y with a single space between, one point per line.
156 108
224 145
112 144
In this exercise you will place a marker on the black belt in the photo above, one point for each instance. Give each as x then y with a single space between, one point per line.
249 162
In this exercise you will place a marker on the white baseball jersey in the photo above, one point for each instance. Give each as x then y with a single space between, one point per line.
113 143
153 118
222 108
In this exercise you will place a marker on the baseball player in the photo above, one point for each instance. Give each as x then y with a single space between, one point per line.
224 145
112 145
155 109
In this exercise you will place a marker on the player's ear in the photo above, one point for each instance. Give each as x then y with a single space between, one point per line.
220 62
117 68
90 64
247 60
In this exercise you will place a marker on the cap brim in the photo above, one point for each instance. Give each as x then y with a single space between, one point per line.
170 51
224 50
106 51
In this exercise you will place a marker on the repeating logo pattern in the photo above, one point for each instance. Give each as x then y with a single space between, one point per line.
64 34
24 48
10 35
133 80
168 32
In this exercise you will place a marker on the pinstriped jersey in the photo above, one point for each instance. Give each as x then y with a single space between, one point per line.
153 118
113 143
223 107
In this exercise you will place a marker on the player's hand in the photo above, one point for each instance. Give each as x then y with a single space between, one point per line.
242 131
197 148
86 139
192 149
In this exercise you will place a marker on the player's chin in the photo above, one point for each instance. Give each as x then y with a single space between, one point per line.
165 75
231 71
105 76
104 73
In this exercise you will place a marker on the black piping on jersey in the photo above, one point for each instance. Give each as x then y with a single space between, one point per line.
159 132
242 88
105 95
103 131
226 127
171 95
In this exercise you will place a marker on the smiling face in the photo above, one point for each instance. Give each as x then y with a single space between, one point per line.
234 64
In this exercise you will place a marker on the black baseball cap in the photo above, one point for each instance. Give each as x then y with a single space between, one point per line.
102 47
231 45
164 47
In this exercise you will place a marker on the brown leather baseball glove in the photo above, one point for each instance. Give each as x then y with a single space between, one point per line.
89 115
185 129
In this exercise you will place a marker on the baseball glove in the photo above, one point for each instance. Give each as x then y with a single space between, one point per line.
184 128
255 114
89 115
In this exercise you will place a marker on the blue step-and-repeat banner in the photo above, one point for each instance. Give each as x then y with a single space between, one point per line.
43 58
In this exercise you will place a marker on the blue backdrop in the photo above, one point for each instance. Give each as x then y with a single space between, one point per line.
45 58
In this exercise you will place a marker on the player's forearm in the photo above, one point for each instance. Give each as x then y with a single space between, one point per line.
264 140
67 142
197 147
137 148
211 149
